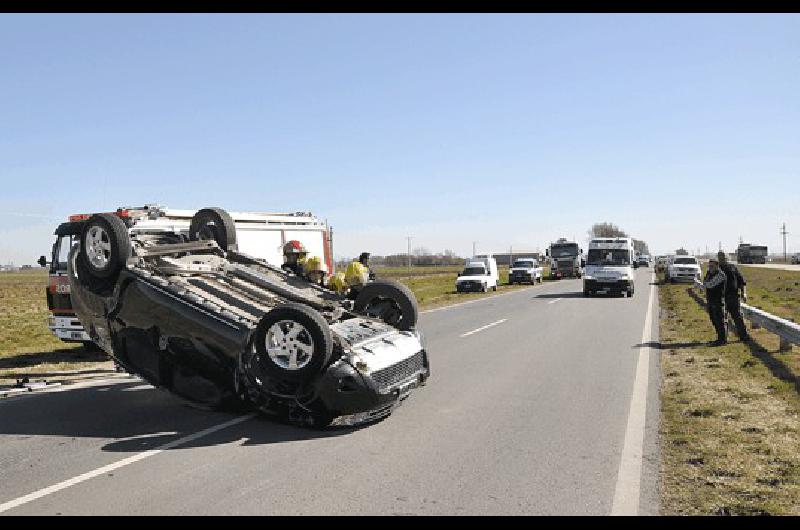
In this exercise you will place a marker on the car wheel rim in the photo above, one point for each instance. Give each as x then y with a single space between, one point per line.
289 345
98 247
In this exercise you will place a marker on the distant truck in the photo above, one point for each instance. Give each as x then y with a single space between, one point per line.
525 270
565 259
609 266
746 253
260 235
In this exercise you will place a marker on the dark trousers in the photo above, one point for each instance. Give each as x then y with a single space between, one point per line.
717 313
732 305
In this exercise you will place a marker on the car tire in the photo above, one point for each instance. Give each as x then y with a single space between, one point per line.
293 334
105 246
216 224
391 301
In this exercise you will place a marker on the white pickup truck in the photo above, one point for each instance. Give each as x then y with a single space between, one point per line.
525 270
683 269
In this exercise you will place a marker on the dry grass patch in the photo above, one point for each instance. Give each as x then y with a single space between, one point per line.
730 423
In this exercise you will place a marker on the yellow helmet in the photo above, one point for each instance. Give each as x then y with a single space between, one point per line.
338 283
315 264
356 274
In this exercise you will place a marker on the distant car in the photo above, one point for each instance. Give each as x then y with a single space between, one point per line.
643 260
796 259
683 269
525 270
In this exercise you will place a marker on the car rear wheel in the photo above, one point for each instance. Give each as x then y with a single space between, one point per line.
105 246
216 224
391 301
293 342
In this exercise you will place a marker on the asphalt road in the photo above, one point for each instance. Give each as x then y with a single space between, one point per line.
526 416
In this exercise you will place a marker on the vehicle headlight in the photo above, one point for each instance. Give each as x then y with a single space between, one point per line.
588 277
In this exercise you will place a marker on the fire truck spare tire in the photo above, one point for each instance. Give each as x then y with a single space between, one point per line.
293 342
389 300
216 224
105 245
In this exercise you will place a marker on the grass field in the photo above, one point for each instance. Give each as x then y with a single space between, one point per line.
27 348
730 422
773 290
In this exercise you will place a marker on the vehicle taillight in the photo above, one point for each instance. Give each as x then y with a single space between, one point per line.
78 217
123 213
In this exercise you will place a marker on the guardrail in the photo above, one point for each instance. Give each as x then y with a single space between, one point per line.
786 330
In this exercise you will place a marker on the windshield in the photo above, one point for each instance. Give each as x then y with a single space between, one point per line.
474 271
685 261
523 264
569 249
60 253
617 256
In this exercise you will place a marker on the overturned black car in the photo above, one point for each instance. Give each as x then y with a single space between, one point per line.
190 314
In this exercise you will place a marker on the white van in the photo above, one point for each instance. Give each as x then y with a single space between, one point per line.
479 274
609 266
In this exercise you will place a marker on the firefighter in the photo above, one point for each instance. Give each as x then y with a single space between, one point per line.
714 286
337 283
364 260
734 285
315 270
356 276
294 255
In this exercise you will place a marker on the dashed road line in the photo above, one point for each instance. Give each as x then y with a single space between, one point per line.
487 326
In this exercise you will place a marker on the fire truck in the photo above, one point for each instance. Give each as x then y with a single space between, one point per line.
260 235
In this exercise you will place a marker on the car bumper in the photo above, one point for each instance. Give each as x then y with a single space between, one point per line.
465 287
68 329
614 286
360 397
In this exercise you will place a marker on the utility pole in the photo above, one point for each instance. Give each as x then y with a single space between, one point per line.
783 233
510 255
409 253
473 248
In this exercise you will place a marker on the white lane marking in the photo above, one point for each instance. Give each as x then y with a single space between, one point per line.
111 380
629 476
118 464
554 301
468 333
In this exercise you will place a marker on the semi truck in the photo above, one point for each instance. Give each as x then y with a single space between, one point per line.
260 235
747 253
565 259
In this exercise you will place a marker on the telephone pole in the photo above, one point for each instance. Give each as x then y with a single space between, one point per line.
783 233
409 253
473 248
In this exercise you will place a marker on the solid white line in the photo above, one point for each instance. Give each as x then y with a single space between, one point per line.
120 463
467 334
554 301
629 476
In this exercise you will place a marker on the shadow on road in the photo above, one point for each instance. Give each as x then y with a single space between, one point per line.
63 355
669 345
577 294
138 418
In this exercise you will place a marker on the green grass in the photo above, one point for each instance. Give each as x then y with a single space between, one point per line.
773 290
730 421
27 347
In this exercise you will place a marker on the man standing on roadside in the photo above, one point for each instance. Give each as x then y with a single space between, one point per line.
714 286
735 283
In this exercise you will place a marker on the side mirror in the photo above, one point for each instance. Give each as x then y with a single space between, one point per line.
42 261
547 252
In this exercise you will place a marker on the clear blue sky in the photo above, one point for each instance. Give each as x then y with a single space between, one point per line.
501 129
